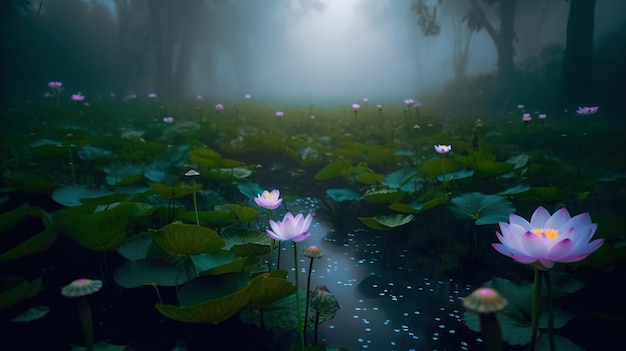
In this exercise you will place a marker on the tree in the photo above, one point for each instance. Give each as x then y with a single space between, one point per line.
578 56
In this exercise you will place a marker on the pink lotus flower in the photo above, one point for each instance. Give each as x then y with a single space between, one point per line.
587 110
219 107
356 106
526 117
152 95
417 104
269 199
280 114
168 119
247 96
291 228
55 85
408 101
547 239
78 97
542 116
443 149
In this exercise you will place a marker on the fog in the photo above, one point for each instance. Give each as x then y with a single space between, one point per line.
280 51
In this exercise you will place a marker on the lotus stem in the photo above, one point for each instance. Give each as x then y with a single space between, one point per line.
546 276
72 161
317 322
195 201
491 330
86 321
308 291
156 289
295 261
536 308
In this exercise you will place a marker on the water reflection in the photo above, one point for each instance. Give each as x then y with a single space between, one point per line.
384 305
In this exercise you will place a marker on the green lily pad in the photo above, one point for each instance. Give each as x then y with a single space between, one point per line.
32 314
16 289
382 196
405 179
460 174
481 208
370 178
187 239
268 288
180 189
218 262
332 170
212 219
205 288
546 194
132 274
30 182
35 244
247 242
518 189
344 194
519 161
10 219
491 169
387 222
242 213
249 189
100 229
211 311
227 175
435 167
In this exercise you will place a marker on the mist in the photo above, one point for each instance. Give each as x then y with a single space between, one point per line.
289 52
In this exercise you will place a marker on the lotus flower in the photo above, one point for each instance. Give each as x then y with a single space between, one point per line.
526 117
219 107
547 239
443 149
291 228
55 85
152 95
587 110
269 200
78 97
168 119
356 106
280 114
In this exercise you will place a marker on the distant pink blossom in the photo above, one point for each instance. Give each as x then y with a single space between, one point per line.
526 117
587 110
280 114
55 85
152 95
356 106
78 97
417 104
408 101
443 149
219 107
542 116
168 119
247 96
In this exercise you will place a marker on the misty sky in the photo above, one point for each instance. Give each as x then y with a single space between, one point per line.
351 49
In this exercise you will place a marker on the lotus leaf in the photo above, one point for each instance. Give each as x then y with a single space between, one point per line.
380 156
187 239
227 175
212 311
514 190
387 222
213 218
207 288
460 174
404 179
491 168
243 213
268 288
370 178
218 262
37 243
247 242
15 289
99 229
173 191
72 195
105 200
344 194
481 208
132 274
332 170
519 161
89 152
382 196
406 208
249 189
10 219
435 167
546 194
30 182
32 314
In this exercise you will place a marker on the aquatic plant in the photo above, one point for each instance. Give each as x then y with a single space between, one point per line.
540 243
323 302
81 288
193 174
312 252
270 200
486 302
294 229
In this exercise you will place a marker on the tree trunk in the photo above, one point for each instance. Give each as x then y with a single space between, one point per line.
504 42
578 56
